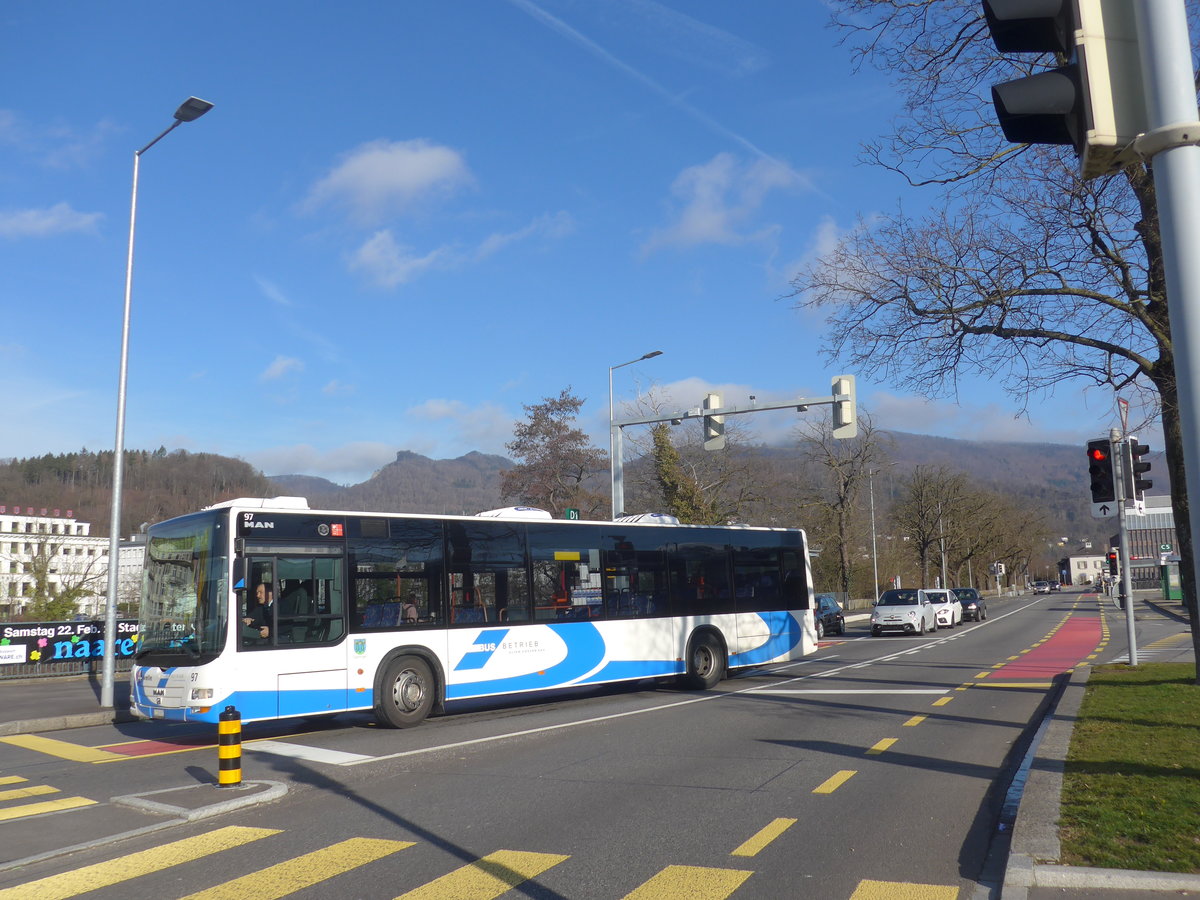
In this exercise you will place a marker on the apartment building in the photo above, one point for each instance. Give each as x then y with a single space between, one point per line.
34 539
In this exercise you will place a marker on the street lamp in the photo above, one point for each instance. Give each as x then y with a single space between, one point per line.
191 109
614 439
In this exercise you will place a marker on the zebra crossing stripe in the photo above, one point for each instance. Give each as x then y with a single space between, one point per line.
125 868
36 809
690 883
899 890
304 871
487 877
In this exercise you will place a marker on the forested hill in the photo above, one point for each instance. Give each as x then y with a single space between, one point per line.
161 484
157 485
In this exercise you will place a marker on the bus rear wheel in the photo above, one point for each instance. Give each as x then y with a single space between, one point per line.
706 663
406 694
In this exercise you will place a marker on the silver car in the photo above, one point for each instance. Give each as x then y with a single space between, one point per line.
905 611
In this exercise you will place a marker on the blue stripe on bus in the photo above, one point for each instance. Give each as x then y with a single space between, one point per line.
585 651
785 635
622 670
476 659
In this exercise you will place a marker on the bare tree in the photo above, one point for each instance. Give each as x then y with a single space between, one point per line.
1022 271
847 465
556 460
698 486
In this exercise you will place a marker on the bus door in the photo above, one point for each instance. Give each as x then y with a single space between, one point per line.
765 587
293 628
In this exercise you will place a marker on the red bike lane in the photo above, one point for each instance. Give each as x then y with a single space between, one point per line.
1069 646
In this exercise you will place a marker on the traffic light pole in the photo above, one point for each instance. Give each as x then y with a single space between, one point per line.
1171 142
1119 461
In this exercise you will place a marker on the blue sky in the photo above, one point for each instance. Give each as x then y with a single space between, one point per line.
402 222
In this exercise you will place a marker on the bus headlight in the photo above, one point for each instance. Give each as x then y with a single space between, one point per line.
202 693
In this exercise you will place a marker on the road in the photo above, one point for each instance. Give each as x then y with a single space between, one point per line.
874 767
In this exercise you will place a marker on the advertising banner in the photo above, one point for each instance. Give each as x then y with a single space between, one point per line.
47 643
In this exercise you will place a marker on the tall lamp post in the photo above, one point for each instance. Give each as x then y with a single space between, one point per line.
190 110
614 441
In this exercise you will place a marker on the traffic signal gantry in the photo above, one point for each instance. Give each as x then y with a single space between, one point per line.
712 416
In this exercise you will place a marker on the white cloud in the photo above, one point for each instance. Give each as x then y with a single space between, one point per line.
550 225
280 366
272 292
385 178
714 201
349 463
58 219
485 428
387 263
337 388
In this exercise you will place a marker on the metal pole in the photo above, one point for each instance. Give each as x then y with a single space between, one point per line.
874 550
108 670
616 452
1118 457
1166 56
190 110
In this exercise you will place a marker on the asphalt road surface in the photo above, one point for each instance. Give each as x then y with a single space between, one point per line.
875 768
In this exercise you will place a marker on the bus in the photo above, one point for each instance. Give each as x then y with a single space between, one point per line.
403 614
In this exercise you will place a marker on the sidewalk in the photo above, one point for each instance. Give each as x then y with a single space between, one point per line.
1033 871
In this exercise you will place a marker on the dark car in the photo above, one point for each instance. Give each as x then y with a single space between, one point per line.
973 605
828 617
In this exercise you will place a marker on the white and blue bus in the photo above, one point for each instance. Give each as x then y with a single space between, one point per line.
404 614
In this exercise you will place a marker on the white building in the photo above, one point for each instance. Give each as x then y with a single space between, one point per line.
73 556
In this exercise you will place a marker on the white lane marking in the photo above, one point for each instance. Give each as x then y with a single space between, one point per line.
310 754
665 706
826 691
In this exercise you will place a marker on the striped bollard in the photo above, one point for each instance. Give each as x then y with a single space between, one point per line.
229 748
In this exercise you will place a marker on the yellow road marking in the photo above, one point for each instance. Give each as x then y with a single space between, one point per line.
880 746
897 890
125 868
1016 684
486 878
11 779
61 749
36 809
943 701
764 837
690 883
982 675
32 791
829 785
915 720
304 871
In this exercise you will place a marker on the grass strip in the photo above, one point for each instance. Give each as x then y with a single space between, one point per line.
1131 783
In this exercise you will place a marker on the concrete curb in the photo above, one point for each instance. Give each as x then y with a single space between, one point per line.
1036 849
59 723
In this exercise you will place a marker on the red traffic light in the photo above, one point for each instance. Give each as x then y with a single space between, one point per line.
1097 454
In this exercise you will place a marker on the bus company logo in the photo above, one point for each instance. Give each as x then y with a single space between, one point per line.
248 521
482 648
360 646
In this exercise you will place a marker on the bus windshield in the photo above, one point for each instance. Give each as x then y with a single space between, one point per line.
182 617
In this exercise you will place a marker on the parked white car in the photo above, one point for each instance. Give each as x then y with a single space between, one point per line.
904 611
946 607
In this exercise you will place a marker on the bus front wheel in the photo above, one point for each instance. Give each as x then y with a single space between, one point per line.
406 695
706 663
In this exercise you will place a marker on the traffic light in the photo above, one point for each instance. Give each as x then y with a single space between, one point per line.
1100 470
1137 485
1093 99
845 419
714 426
1114 565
